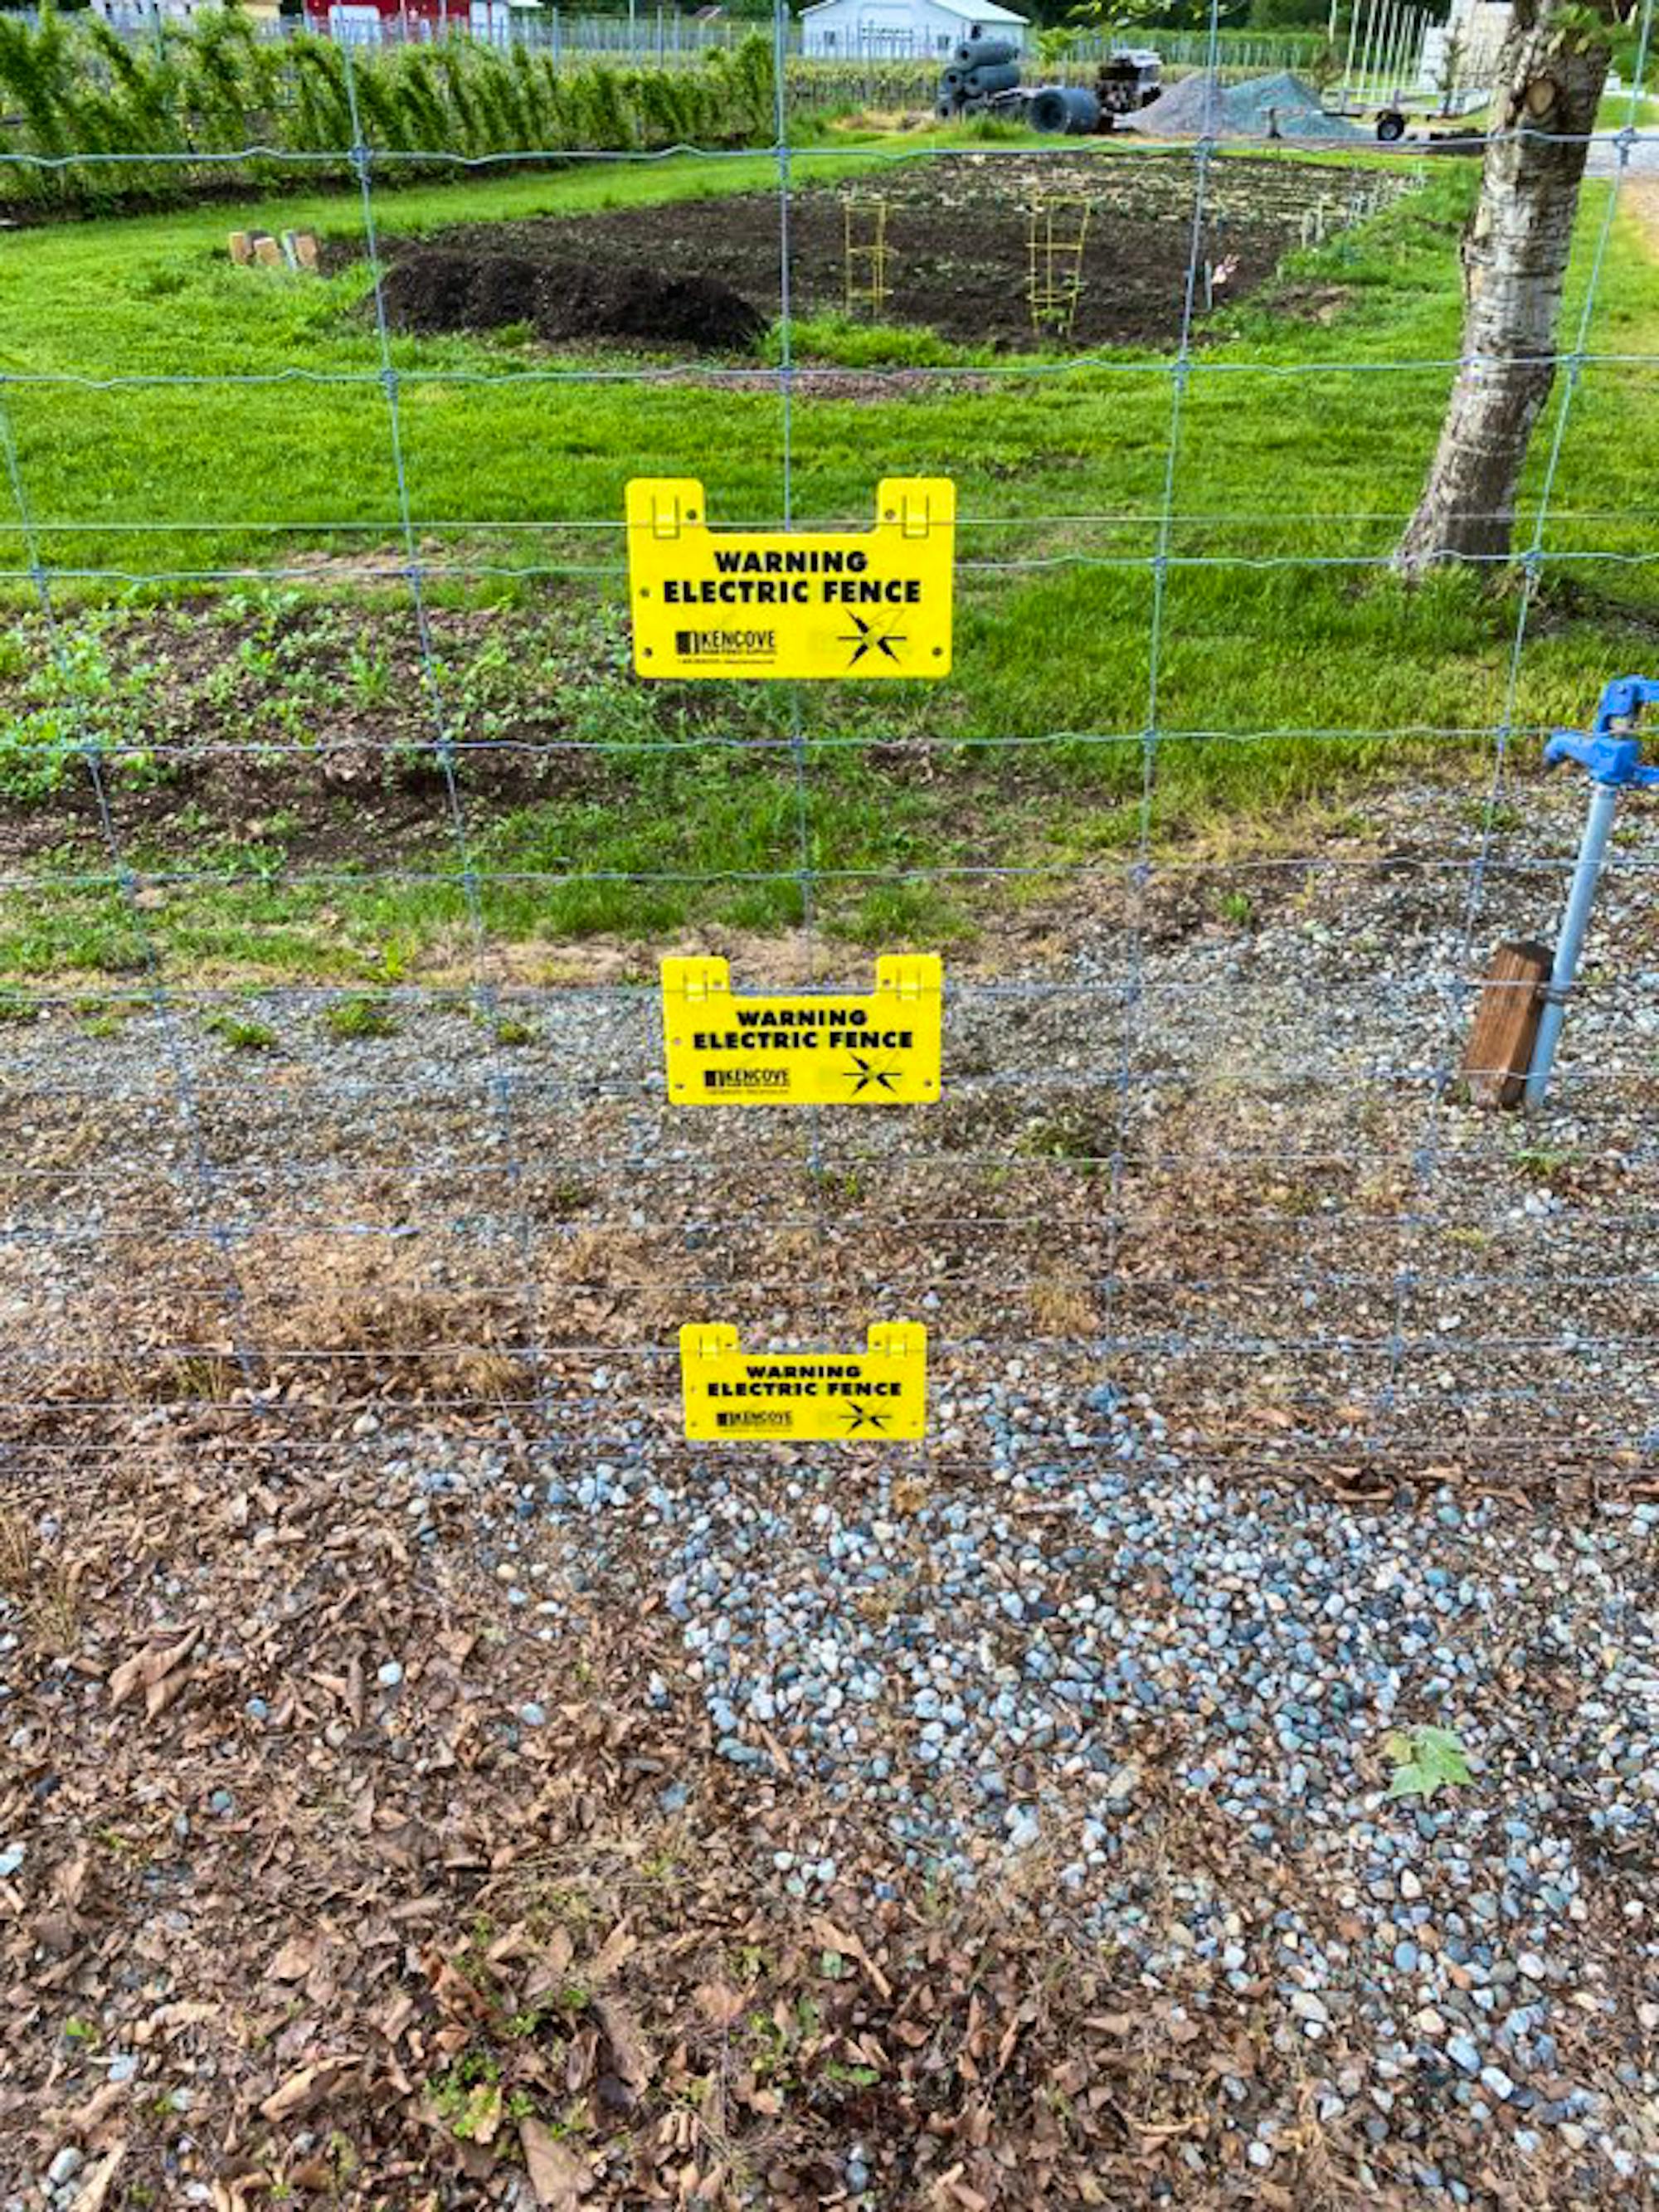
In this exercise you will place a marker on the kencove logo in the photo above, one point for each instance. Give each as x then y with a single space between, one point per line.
726 644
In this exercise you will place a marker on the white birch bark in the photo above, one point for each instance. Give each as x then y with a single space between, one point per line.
1515 250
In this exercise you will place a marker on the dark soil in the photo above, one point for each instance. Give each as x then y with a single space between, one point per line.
448 288
705 272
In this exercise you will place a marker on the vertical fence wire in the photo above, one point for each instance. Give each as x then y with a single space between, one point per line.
1426 1156
807 877
202 1195
486 1000
1137 879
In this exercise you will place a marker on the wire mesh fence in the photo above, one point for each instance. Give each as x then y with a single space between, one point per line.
425 1765
1202 1147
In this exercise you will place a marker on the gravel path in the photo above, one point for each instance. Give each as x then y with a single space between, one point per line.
1276 1407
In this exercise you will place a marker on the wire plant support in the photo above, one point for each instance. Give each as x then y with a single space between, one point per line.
868 286
1057 231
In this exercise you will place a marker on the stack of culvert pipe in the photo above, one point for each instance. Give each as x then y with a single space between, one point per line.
1065 110
981 71
984 53
982 77
990 76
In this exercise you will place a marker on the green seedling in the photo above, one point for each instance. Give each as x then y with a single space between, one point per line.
240 1034
360 1017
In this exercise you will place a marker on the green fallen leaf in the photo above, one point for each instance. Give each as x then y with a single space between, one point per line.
481 2114
1424 1759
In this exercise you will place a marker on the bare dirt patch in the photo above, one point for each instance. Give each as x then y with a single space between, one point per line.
445 287
958 235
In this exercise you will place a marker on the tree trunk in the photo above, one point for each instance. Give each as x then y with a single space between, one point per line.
1514 266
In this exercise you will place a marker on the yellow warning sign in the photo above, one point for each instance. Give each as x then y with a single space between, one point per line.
879 1395
791 602
818 1049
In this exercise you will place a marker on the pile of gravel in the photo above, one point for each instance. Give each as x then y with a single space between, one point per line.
1203 106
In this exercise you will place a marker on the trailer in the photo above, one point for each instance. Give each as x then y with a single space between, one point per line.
1402 68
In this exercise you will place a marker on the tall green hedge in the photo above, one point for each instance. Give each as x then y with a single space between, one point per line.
70 87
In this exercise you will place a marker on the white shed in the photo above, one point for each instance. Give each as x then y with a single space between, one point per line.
922 30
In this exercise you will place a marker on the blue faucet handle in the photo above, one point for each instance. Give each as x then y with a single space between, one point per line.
1612 752
1623 700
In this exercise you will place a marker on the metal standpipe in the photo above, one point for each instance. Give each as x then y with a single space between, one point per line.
1570 944
1613 754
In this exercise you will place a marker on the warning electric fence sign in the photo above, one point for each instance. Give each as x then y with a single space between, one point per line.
822 1049
791 602
879 1395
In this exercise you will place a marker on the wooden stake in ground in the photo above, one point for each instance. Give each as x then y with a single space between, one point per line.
1500 1044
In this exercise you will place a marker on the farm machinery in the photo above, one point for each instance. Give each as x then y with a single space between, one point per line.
982 77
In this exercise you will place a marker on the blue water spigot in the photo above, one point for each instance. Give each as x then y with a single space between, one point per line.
1611 751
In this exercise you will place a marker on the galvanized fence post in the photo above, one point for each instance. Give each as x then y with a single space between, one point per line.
1612 755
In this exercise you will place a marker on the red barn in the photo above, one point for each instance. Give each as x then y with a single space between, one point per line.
372 21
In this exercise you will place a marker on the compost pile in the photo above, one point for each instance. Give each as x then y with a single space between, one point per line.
436 288
1203 106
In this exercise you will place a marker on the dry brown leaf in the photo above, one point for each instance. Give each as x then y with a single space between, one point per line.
578 2059
832 1938
630 2054
718 2004
617 1950
86 2119
305 2089
159 1695
294 1960
55 1932
70 1882
551 1967
97 2182
188 2014
559 2177
148 1668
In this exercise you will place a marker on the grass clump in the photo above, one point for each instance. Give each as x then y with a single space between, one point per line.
241 1033
363 1016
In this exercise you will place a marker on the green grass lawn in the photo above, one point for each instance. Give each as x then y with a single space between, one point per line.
1292 669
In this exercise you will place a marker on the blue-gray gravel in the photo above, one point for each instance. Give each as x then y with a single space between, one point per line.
1028 1676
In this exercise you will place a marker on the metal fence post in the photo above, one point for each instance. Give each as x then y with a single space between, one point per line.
1612 755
